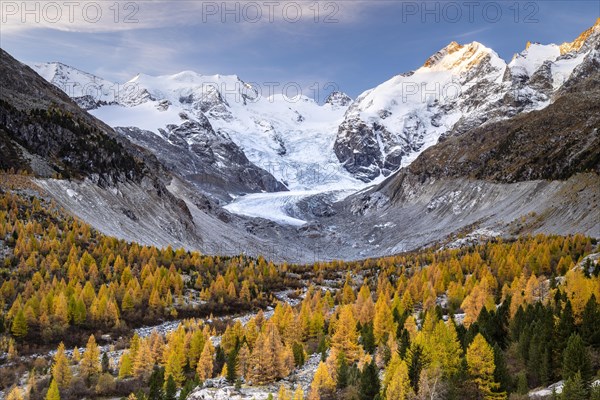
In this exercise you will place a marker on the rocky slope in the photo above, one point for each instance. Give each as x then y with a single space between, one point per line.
42 120
207 159
459 88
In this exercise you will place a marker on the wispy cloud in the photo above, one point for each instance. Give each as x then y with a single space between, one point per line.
472 32
105 16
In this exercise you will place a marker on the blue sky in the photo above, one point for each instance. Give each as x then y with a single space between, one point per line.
362 43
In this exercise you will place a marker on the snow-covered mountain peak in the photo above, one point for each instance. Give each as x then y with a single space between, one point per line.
86 89
459 58
533 57
338 99
57 72
437 57
576 45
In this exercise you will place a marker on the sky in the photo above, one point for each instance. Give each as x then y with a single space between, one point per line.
345 45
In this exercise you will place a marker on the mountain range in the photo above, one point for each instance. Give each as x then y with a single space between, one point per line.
466 145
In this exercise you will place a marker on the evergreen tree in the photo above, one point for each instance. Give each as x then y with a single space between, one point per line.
404 343
342 372
156 383
188 388
105 363
501 373
575 388
367 338
590 327
19 327
416 364
232 366
369 382
522 386
170 388
298 351
577 360
564 329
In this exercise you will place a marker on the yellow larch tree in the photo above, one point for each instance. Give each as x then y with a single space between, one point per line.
298 393
383 321
444 349
396 383
15 394
479 297
61 372
90 362
125 366
53 393
364 306
144 362
345 339
283 393
269 359
322 384
205 366
480 362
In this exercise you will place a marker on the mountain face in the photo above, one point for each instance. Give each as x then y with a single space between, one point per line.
457 89
551 144
210 160
341 144
266 141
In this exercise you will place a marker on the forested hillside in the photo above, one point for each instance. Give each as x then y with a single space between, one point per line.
484 321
